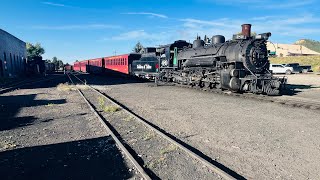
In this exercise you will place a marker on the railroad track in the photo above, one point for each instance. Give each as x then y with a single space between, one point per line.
214 166
25 82
288 101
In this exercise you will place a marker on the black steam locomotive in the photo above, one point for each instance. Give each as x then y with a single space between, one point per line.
238 65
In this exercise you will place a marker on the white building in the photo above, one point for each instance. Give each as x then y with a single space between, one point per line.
284 50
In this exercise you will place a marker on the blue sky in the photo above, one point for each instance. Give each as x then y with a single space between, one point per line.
82 29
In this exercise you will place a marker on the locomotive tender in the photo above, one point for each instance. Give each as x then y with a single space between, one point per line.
238 65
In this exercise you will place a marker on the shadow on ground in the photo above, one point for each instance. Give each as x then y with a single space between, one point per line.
295 89
110 79
11 105
96 158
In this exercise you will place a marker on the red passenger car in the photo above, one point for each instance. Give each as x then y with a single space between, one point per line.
68 67
96 66
83 65
121 63
76 66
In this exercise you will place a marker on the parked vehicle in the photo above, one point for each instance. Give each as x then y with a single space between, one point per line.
306 69
280 69
296 67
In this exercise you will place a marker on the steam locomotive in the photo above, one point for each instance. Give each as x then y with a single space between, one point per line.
238 65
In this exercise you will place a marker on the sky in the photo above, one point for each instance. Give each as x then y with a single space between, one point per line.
83 29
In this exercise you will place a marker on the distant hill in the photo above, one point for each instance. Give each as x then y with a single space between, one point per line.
311 44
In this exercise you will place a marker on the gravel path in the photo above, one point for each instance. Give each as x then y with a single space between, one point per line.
258 140
49 133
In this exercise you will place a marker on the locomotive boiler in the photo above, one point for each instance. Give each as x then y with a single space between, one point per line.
238 65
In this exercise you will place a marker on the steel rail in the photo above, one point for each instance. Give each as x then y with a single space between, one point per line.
23 83
205 162
115 138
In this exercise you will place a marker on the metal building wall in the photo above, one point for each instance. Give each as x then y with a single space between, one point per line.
13 54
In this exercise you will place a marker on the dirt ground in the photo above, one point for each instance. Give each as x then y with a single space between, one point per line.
259 140
160 158
306 87
46 133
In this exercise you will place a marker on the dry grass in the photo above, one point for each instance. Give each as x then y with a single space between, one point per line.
101 101
155 163
50 105
65 87
128 119
82 87
7 145
314 61
168 149
111 109
149 135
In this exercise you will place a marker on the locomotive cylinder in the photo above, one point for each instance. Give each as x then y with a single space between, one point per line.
246 30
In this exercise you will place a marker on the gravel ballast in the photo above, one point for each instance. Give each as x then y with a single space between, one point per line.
258 140
50 133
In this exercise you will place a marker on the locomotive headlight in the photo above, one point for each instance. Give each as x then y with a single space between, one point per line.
264 36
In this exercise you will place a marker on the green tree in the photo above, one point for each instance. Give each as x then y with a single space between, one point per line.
60 64
34 50
138 48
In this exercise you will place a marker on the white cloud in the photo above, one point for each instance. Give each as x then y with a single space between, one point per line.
78 27
53 4
282 27
147 13
131 35
147 38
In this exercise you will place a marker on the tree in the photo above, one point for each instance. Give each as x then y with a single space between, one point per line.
58 64
34 51
138 48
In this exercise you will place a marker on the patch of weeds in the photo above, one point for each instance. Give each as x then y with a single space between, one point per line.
129 118
168 149
155 163
111 109
65 87
149 135
82 87
101 101
50 105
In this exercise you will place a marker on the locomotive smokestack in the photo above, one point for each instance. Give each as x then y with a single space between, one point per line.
246 30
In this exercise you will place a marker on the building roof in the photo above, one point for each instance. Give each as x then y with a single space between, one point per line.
5 32
289 49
